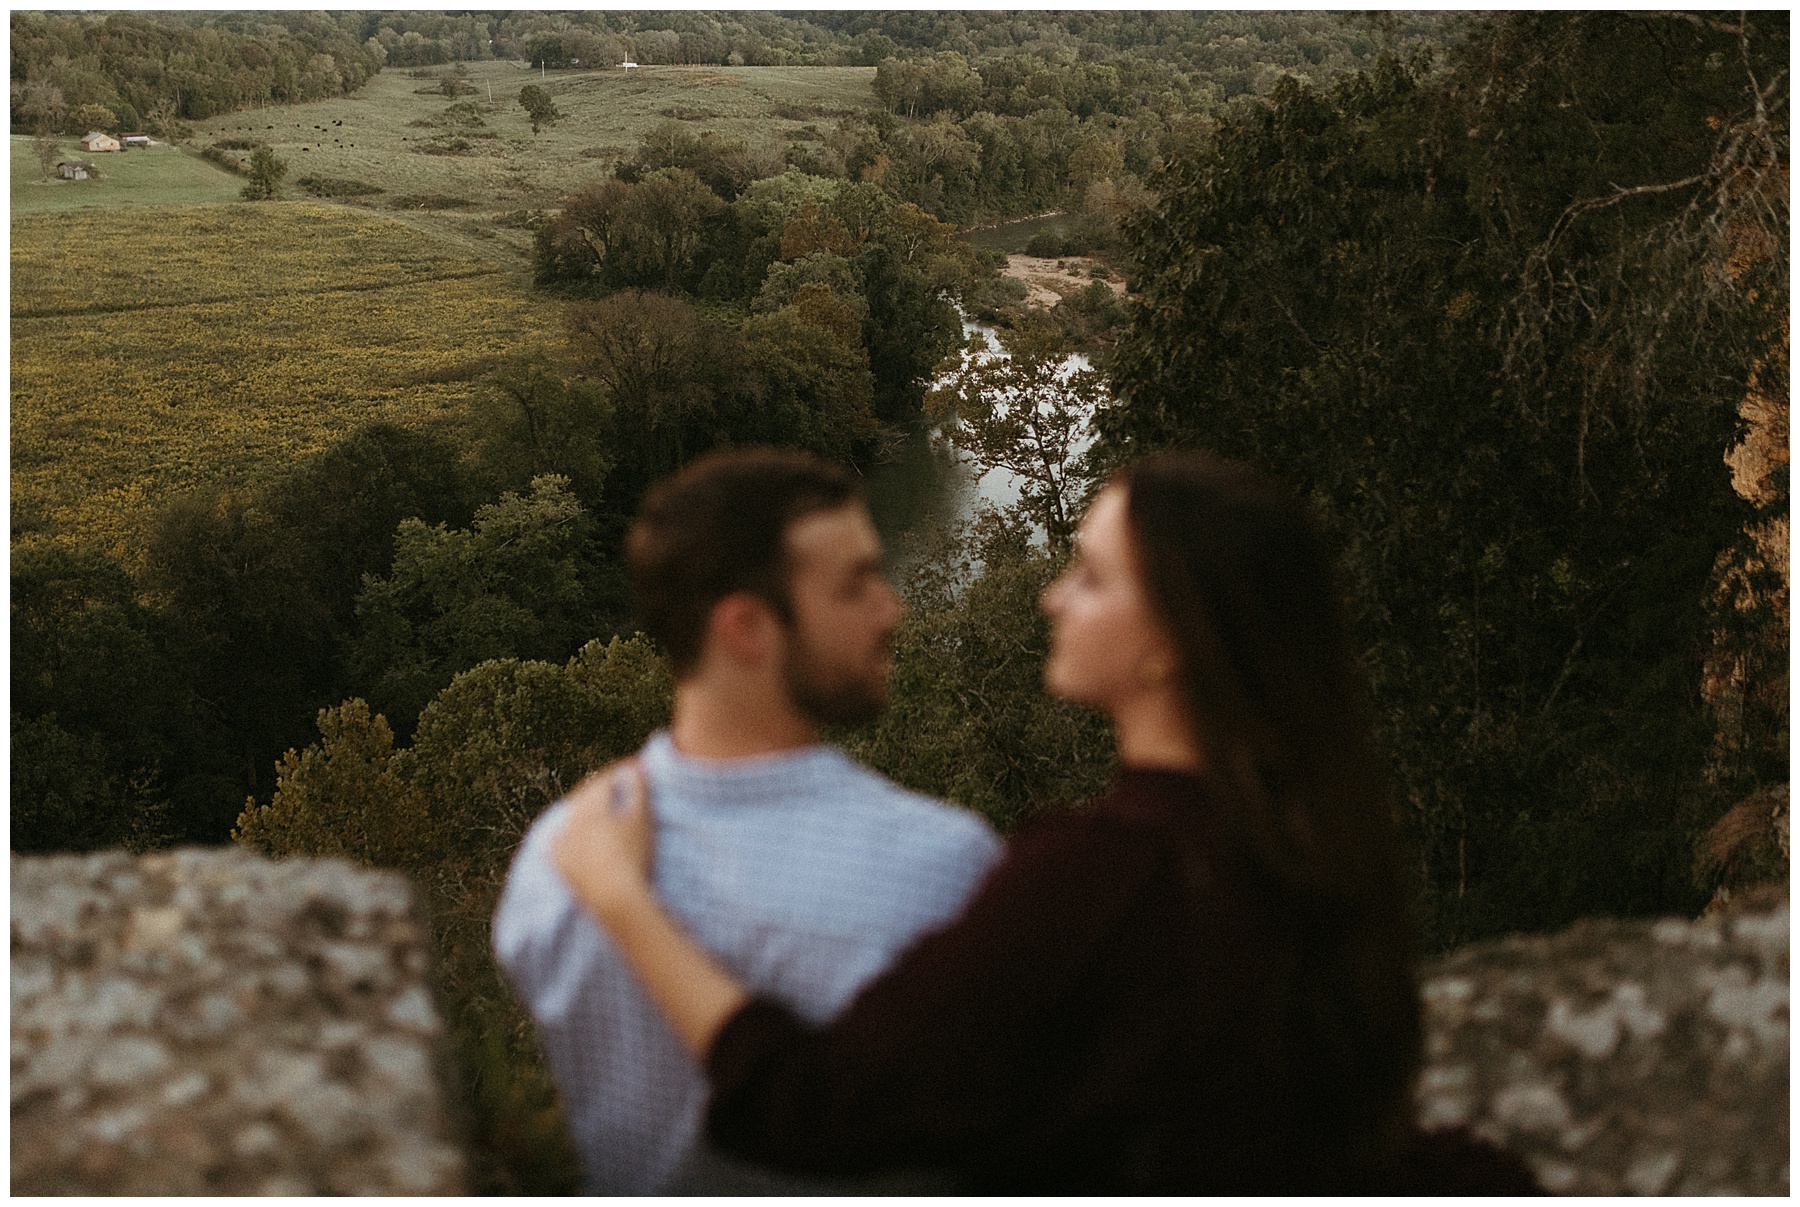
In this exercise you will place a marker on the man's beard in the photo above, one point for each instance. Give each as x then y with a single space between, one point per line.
826 697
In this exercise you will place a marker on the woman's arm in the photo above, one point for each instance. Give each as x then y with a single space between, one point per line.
968 1031
604 854
972 1031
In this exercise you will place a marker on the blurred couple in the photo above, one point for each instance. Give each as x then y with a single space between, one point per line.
758 967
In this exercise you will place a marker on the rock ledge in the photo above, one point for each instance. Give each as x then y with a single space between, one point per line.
1621 1057
211 1022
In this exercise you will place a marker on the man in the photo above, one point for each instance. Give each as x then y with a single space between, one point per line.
806 874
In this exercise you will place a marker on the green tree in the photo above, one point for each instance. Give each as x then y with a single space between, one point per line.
254 638
1481 318
934 165
456 81
908 329
923 87
92 117
510 585
194 676
535 417
724 165
573 248
492 750
545 50
266 174
1025 409
47 150
654 234
341 796
95 706
342 505
817 270
674 379
539 107
813 377
496 746
164 118
40 104
663 233
84 647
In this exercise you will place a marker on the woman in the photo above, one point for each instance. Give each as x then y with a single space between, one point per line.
1201 984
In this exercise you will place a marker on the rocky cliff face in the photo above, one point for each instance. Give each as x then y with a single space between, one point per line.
1621 1057
211 1022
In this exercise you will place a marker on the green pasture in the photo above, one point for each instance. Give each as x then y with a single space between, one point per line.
380 136
159 175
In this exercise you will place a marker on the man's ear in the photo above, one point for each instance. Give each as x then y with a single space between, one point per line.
744 628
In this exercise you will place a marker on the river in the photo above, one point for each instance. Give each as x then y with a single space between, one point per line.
928 482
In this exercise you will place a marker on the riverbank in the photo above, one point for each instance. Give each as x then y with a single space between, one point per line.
1048 281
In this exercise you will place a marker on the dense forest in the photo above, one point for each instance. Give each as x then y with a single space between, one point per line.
73 73
217 61
1505 297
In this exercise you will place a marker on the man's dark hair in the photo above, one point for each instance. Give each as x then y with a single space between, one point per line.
716 527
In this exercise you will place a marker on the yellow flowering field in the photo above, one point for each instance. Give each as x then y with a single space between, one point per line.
157 349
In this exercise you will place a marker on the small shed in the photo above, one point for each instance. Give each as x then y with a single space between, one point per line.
74 169
97 141
134 140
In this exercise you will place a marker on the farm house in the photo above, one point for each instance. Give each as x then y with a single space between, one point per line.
97 141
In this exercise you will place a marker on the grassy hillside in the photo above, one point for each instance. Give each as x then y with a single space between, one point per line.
160 175
158 344
156 349
389 135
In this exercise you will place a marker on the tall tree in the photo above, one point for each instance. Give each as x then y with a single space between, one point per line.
909 328
509 586
46 148
539 107
1025 409
96 705
1481 318
266 174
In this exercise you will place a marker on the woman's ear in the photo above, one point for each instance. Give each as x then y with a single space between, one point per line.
1156 669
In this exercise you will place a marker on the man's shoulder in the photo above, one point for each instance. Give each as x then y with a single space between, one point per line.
534 847
823 783
534 893
907 807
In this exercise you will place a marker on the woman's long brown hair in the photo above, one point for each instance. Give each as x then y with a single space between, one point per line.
1244 585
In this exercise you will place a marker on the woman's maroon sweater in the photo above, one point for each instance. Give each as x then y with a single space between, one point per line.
1110 1015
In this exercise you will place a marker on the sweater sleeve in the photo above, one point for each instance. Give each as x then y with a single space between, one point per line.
956 1039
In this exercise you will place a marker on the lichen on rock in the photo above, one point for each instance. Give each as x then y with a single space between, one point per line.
213 1022
1621 1057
